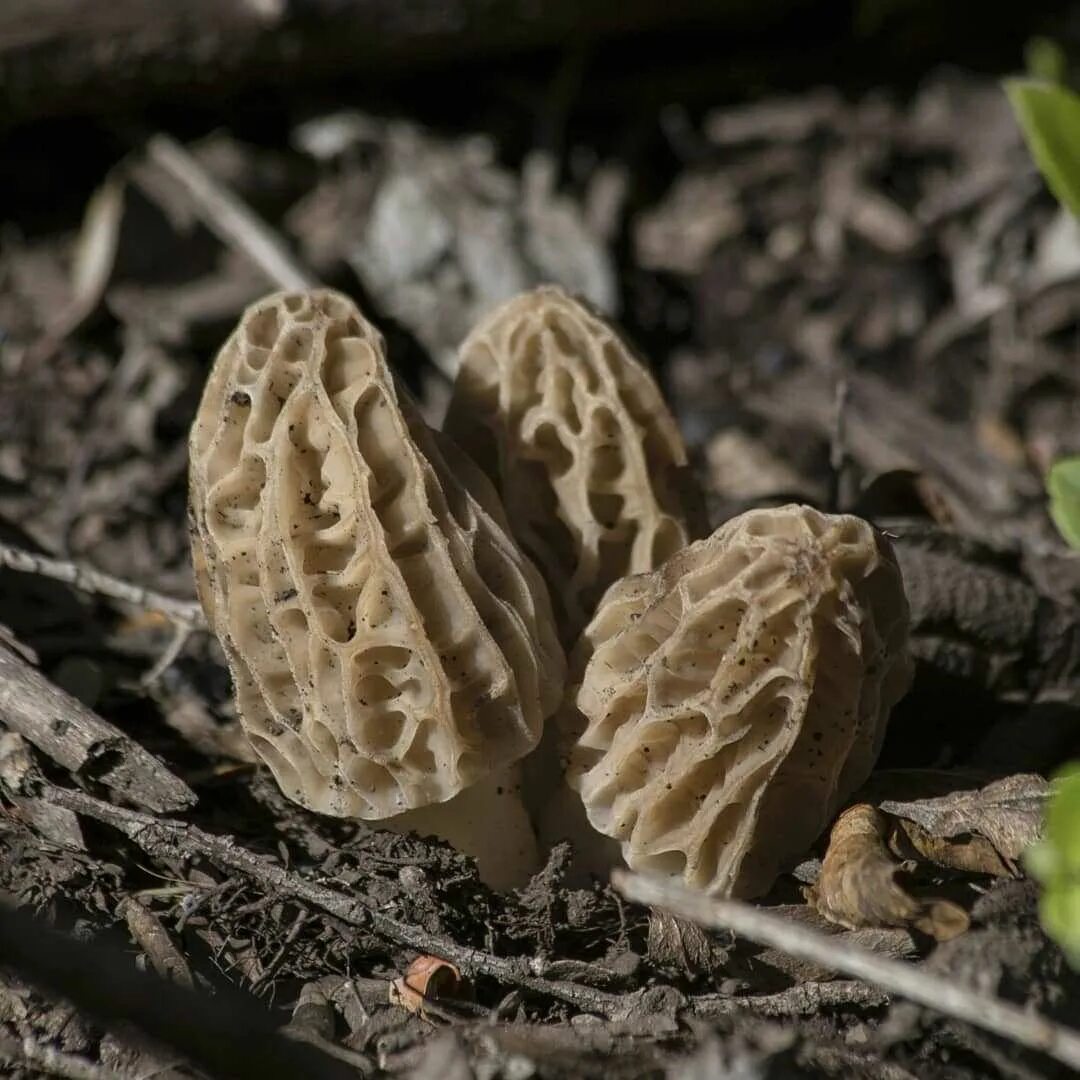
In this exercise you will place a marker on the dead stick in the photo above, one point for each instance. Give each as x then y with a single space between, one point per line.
63 728
805 999
162 838
97 583
148 933
933 991
83 56
234 222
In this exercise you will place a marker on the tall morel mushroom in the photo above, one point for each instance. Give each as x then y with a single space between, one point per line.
569 424
736 697
391 648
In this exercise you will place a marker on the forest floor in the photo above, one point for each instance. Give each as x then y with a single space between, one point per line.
870 305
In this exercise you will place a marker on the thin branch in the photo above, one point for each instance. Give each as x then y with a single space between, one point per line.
933 991
96 583
162 838
234 222
27 1051
805 999
154 940
180 635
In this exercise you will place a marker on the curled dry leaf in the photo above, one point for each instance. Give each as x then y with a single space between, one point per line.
738 695
967 853
568 422
427 979
390 645
1008 813
858 886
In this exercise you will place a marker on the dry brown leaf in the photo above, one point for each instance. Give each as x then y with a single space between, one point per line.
971 854
427 979
678 943
858 886
1007 812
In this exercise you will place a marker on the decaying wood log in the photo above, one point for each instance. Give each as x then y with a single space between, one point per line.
62 727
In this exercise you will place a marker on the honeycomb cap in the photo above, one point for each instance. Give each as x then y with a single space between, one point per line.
389 643
734 698
570 426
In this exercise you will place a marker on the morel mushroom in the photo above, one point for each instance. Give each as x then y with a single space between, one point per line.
391 647
569 424
738 695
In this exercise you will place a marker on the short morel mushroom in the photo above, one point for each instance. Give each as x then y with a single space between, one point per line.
737 696
569 424
392 649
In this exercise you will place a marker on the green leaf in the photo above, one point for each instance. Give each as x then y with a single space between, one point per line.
1045 59
1049 117
1055 862
1063 487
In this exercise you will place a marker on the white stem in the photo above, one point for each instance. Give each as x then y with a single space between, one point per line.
564 818
559 814
487 821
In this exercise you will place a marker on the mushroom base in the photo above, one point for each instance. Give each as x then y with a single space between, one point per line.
594 854
488 822
559 814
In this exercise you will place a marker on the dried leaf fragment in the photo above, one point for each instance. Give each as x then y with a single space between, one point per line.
427 979
738 695
682 945
568 422
967 853
1008 813
390 645
858 887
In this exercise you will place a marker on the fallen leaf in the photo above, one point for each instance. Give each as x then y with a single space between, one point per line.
1008 813
968 853
682 945
858 887
93 262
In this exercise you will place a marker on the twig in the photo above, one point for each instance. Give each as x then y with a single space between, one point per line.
162 838
944 995
227 1034
804 999
97 583
26 1051
181 633
838 447
270 968
148 933
62 727
229 217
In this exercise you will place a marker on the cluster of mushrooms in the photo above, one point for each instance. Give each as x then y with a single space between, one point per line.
508 632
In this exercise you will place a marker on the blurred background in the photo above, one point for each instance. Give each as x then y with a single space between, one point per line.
784 202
